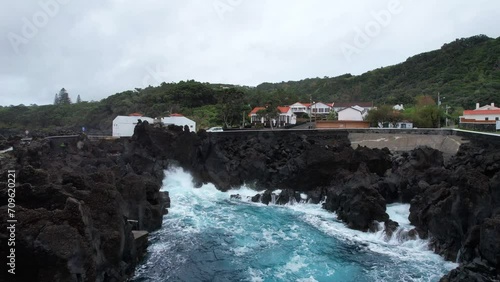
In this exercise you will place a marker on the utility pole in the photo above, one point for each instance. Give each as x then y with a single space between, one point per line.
446 114
439 112
310 109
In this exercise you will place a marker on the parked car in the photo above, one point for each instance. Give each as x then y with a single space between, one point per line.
215 129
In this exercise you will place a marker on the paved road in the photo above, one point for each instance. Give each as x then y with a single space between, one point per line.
304 126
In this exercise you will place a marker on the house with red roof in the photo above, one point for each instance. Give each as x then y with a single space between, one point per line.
485 114
254 117
285 117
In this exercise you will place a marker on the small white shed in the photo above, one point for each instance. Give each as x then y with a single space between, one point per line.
123 126
180 120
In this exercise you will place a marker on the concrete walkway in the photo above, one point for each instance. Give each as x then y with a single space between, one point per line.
448 144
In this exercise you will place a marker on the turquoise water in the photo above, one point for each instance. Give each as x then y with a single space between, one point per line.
209 237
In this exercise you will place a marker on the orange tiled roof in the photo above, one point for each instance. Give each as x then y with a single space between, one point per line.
482 112
255 110
283 110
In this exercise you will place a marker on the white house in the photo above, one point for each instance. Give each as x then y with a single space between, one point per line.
286 116
320 108
484 114
123 126
254 117
340 106
300 108
180 120
355 113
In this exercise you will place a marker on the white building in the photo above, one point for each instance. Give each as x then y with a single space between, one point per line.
123 126
484 114
300 108
320 108
254 117
286 116
354 113
340 106
180 120
400 124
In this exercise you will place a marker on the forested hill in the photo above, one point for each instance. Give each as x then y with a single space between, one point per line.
466 71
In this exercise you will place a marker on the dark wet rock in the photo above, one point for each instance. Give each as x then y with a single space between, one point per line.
458 211
288 196
316 196
377 160
489 245
267 197
411 173
390 227
357 203
235 197
448 211
476 271
256 198
89 191
73 204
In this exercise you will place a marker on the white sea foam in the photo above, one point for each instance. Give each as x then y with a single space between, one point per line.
196 211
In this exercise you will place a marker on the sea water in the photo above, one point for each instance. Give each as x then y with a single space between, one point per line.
207 236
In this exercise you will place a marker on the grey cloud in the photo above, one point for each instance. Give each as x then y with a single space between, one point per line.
97 48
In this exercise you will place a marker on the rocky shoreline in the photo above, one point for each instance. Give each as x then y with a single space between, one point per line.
75 201
88 191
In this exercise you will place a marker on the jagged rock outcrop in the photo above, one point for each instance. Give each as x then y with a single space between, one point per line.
459 210
73 202
357 202
301 161
88 191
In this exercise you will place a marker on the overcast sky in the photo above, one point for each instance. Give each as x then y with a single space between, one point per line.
98 48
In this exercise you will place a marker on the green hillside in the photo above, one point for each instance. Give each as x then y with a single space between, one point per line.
465 71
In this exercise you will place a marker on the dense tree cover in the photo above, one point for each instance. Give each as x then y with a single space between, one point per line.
465 71
425 113
384 114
